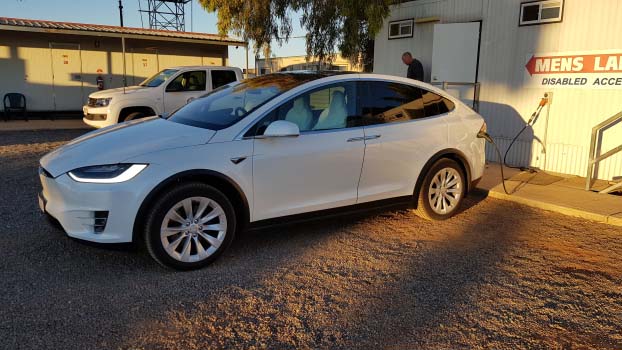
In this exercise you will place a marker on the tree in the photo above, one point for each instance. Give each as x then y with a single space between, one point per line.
348 26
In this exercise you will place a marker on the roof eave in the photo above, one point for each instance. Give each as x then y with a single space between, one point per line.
119 35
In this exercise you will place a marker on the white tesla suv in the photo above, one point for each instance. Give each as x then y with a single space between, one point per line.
279 145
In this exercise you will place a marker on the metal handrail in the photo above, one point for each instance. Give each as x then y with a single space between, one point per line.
476 88
594 159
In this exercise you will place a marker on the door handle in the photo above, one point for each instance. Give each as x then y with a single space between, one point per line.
354 139
371 137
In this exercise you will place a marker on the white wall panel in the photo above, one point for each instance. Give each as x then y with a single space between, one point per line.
505 101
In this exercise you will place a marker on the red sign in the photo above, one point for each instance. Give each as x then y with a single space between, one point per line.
603 63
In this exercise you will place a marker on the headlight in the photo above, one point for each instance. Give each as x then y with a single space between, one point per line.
106 174
101 102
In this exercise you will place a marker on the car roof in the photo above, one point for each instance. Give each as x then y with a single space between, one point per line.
312 76
324 73
202 67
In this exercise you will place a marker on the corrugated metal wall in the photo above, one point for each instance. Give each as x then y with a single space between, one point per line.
26 64
505 102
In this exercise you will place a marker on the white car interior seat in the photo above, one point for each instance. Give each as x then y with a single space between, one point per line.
300 114
335 115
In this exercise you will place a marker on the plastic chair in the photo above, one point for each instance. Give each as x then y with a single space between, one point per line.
16 103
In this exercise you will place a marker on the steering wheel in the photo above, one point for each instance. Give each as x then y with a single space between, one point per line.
239 111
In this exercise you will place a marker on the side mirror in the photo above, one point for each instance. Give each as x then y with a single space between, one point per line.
281 128
164 115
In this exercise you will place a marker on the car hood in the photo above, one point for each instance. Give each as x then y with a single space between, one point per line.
119 142
119 91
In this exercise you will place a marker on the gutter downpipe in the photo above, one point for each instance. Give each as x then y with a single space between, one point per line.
123 47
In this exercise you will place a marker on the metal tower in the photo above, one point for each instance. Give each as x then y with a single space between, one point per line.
165 14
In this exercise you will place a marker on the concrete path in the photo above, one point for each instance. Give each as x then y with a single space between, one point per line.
38 124
566 196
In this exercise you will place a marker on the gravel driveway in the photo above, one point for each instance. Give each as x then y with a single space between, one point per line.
499 275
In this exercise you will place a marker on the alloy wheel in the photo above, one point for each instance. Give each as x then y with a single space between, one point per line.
193 229
445 190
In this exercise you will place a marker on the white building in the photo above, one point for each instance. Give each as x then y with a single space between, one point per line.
290 63
517 50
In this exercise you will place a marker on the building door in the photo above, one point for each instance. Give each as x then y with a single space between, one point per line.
67 77
455 52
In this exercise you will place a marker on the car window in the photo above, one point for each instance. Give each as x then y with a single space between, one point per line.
159 78
188 81
448 104
222 77
326 108
435 104
196 80
386 102
229 104
320 100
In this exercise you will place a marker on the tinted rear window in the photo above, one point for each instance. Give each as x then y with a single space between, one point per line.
435 104
385 102
222 77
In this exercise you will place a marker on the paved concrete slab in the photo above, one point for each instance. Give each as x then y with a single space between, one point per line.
21 125
562 196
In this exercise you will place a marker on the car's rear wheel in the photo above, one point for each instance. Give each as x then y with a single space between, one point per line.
442 191
190 226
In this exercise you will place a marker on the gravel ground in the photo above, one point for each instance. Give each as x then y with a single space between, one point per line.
498 275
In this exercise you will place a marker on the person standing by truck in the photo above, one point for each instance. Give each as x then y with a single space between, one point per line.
415 69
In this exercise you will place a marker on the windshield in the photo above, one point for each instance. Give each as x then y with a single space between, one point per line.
229 104
159 78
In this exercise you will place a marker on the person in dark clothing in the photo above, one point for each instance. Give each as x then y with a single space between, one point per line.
415 69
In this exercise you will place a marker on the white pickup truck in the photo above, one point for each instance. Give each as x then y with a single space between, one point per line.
161 94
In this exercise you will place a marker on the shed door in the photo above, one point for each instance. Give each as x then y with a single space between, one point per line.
455 51
67 77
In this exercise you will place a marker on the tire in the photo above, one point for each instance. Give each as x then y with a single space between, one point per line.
432 207
188 247
134 115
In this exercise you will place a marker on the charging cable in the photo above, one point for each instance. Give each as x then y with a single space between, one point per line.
502 162
532 120
482 134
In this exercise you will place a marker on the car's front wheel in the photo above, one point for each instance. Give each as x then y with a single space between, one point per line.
134 115
442 191
190 226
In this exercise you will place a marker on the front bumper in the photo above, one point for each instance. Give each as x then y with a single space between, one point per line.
80 207
97 117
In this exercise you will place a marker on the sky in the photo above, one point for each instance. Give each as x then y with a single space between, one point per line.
107 12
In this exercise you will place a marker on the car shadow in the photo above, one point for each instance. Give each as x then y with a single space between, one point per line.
441 284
